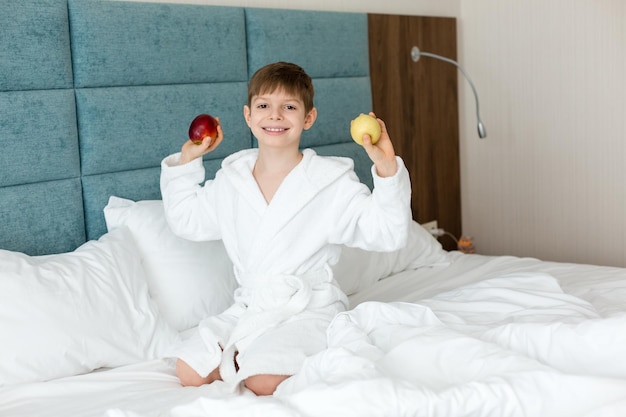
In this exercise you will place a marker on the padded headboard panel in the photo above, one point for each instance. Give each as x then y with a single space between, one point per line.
93 94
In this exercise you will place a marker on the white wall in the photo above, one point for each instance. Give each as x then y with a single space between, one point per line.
549 181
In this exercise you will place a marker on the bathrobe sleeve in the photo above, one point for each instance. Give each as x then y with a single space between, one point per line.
189 207
377 221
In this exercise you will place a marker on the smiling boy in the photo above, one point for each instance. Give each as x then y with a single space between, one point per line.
282 214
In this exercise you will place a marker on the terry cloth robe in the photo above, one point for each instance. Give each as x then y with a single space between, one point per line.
281 252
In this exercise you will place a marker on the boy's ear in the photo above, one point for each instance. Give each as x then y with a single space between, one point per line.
246 114
310 118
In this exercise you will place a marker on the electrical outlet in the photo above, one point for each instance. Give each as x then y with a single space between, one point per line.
431 226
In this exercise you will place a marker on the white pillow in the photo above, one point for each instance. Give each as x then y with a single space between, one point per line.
358 269
71 313
188 280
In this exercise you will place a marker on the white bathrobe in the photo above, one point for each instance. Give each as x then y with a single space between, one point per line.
281 251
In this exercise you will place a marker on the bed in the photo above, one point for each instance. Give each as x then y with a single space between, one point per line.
94 93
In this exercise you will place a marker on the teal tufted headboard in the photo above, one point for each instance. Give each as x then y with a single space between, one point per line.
93 94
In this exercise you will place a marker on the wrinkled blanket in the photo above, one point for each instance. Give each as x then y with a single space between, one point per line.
509 346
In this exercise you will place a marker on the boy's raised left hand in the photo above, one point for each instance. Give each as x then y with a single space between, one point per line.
382 153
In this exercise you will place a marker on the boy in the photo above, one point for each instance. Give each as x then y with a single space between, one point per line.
282 214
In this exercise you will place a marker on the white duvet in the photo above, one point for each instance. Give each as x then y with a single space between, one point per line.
515 345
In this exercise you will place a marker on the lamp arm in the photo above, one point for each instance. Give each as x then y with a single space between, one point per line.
415 56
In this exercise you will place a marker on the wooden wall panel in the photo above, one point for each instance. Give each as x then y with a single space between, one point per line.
419 104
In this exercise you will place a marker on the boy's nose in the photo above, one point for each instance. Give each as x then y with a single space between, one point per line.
276 113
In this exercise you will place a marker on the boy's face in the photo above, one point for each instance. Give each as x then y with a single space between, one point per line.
278 118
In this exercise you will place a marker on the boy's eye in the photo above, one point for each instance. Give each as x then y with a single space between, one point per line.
290 107
261 106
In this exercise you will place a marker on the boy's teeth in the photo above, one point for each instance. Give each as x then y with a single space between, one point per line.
274 129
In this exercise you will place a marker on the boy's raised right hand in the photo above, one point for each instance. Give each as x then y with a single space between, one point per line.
191 151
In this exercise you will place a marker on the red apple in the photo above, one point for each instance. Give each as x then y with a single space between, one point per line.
202 126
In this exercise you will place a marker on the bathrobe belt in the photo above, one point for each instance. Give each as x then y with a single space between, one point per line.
271 301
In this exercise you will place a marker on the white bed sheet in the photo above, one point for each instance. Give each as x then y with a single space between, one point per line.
149 388
333 383
604 287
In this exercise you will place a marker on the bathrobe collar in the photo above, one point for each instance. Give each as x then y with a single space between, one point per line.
312 175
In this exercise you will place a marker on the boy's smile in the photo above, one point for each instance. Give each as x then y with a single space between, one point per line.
276 130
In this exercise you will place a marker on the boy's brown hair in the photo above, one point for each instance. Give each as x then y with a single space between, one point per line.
282 76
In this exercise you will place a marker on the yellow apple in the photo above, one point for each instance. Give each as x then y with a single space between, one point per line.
362 125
